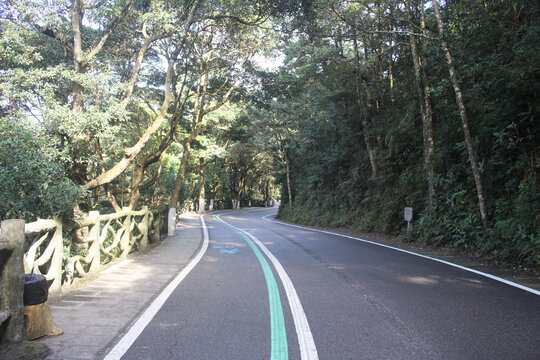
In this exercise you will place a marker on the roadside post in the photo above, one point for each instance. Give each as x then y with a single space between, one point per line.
408 214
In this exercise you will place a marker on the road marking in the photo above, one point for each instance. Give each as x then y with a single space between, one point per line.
493 277
228 249
129 338
308 350
279 349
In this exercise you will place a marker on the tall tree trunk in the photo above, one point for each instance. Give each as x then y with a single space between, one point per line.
241 188
180 176
366 57
427 122
391 72
136 179
363 109
78 170
391 58
285 161
77 13
82 58
288 170
267 192
464 119
198 115
202 200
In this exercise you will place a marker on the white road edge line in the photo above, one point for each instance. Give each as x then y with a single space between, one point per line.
493 277
308 350
129 338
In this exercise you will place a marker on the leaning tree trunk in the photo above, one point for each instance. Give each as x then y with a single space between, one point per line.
427 122
288 170
464 119
132 152
149 159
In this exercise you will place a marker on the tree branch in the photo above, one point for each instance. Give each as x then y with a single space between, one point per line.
97 47
136 149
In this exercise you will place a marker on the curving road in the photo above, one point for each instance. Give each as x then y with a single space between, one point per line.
266 290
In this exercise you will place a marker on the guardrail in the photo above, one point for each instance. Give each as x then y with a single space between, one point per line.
62 252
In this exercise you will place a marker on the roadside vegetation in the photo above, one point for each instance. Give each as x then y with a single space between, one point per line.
397 104
367 108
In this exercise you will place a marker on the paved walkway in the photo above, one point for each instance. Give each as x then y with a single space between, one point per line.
100 311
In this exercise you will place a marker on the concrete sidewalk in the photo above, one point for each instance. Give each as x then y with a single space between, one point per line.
101 310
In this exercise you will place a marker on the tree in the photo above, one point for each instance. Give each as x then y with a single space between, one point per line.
357 122
464 119
424 99
32 183
402 65
133 151
221 52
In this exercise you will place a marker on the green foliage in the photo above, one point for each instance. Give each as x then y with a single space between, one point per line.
454 220
496 50
516 233
305 122
32 184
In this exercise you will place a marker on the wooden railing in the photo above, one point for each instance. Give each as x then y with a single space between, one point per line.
63 252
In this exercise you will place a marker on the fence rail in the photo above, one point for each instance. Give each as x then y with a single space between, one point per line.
63 252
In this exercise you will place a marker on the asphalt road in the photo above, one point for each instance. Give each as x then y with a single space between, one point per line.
308 295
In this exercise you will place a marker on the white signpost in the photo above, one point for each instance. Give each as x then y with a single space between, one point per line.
171 223
407 214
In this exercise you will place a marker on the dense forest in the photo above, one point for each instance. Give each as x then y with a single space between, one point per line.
348 111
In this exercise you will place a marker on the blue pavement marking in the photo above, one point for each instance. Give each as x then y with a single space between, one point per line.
228 249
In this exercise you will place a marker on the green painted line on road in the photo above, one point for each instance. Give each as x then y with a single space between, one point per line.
280 349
